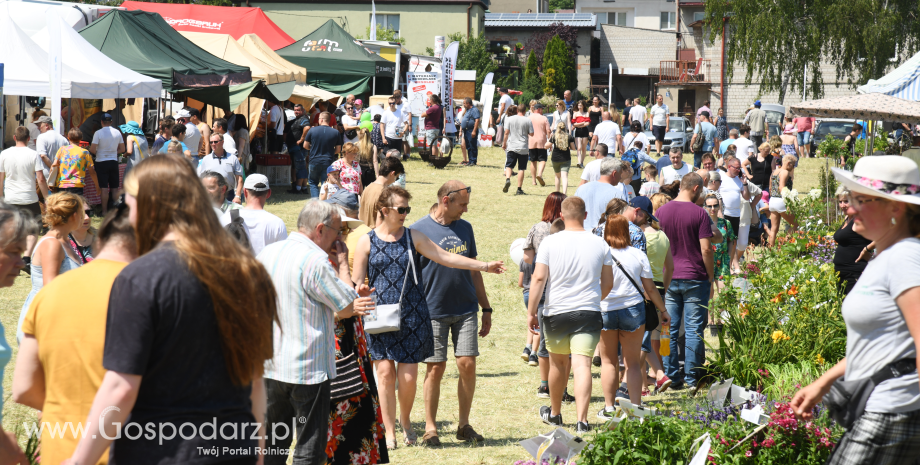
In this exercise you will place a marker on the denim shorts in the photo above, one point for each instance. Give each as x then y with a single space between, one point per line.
625 319
804 138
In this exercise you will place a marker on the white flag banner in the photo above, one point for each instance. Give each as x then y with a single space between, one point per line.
373 34
55 67
488 90
448 68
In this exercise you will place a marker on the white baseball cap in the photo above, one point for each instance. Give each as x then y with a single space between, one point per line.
256 182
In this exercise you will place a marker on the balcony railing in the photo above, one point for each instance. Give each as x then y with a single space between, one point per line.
685 72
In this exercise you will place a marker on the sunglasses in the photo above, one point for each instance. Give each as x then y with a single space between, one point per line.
90 213
345 230
401 210
469 190
712 206
217 142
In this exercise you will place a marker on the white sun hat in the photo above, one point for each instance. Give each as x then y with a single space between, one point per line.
892 177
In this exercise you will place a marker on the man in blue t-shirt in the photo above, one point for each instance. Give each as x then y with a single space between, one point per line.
454 297
324 143
470 126
705 130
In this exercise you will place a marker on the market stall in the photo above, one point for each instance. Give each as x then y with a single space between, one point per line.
257 47
226 47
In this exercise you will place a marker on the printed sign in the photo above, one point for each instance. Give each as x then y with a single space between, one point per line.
421 86
322 45
186 22
449 65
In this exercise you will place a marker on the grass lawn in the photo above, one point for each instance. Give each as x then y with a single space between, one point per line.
505 407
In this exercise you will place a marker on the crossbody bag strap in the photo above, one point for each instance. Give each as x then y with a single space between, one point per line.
895 369
411 264
641 292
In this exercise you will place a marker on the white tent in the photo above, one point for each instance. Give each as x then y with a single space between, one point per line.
87 73
31 16
903 82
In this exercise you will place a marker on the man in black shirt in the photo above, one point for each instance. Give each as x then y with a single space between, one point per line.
296 133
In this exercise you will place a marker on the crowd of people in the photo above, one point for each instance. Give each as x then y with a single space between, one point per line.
202 311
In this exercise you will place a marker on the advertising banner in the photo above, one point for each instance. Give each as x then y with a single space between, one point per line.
488 90
420 87
449 67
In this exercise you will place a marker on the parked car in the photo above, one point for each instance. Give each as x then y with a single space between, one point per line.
679 133
837 128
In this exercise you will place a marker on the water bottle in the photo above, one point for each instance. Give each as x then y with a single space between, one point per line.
665 349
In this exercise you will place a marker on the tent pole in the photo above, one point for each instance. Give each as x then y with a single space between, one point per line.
374 90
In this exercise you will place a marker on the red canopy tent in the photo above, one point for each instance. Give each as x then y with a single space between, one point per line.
235 21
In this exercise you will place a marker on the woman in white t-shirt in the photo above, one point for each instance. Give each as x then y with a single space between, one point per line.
623 312
882 316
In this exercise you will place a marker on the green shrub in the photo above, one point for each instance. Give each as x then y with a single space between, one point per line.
659 440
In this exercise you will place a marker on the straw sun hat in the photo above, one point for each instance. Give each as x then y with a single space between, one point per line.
892 177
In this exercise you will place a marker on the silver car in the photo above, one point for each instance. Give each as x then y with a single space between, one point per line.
679 133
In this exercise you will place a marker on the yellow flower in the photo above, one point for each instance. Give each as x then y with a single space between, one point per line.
819 360
779 336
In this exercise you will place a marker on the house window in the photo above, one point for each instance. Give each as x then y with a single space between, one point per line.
668 20
388 22
699 16
617 18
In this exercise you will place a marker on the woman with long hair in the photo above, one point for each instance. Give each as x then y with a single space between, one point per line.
623 312
780 179
54 374
594 116
52 254
882 320
240 134
366 159
389 256
15 227
188 330
81 239
349 169
725 250
759 168
561 143
853 251
721 131
580 121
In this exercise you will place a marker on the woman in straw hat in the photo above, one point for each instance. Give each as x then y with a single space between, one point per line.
882 315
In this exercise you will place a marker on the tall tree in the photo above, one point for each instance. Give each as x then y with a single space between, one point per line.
568 34
558 68
777 39
531 68
474 54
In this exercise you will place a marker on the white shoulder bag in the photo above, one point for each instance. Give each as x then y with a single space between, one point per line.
388 315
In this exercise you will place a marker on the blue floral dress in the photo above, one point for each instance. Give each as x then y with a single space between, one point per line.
387 262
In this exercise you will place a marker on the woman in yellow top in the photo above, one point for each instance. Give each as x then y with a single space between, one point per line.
73 164
59 366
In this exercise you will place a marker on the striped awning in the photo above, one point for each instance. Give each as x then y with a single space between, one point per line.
903 82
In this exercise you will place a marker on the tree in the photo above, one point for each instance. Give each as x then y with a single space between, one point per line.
386 34
561 5
474 54
538 41
532 65
558 68
776 40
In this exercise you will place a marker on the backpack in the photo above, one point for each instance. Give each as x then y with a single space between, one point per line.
698 142
632 157
237 229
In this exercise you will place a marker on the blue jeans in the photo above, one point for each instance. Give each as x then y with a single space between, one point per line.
318 174
472 145
299 159
688 301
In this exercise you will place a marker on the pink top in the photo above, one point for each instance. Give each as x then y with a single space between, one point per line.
540 131
804 124
349 175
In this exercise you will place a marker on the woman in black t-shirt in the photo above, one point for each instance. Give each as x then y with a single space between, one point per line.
562 143
189 329
853 251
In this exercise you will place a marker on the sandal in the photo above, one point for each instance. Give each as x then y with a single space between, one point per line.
431 439
391 444
411 438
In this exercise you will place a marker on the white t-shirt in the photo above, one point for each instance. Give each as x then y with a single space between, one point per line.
730 190
630 139
648 188
596 196
19 165
107 140
606 133
229 144
638 113
669 174
192 138
575 261
508 101
876 331
660 115
624 294
630 192
391 121
349 121
263 227
743 145
34 132
592 171
328 189
277 117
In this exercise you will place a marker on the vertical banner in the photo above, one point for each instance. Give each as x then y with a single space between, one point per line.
55 67
373 32
419 89
488 91
448 68
438 46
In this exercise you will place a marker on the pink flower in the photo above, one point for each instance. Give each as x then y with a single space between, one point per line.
748 454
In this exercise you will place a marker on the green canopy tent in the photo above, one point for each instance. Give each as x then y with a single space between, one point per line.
230 98
341 65
146 43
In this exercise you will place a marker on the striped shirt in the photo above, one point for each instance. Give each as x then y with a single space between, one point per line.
308 293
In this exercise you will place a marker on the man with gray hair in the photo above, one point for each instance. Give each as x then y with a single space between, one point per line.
592 170
313 283
217 187
596 194
732 137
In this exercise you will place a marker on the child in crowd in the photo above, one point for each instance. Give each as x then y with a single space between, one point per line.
650 186
532 341
625 178
332 184
401 180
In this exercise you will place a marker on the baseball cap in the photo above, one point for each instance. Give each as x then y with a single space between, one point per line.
256 182
332 169
106 117
757 104
193 112
345 199
45 119
644 204
183 113
539 106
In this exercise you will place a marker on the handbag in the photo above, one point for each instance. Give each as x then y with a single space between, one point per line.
651 313
388 315
348 381
846 400
698 142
